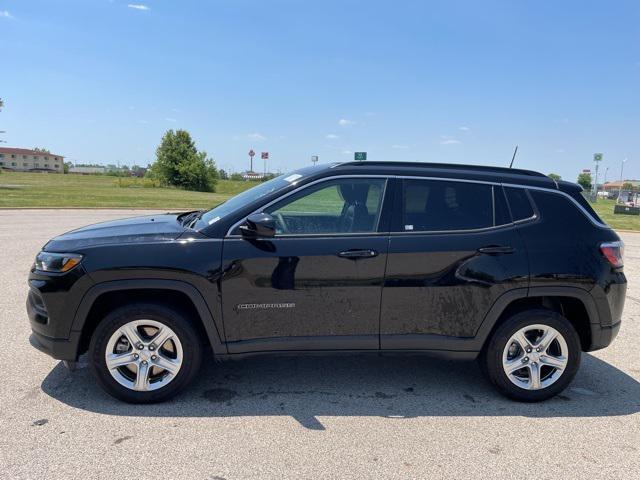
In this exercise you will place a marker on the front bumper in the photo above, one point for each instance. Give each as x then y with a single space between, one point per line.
59 348
51 305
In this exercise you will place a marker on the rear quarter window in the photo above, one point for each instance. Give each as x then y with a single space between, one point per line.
560 212
586 205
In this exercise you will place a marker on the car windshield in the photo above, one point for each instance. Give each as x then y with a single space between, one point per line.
245 198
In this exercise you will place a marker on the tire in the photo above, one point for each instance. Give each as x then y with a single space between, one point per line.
504 352
180 352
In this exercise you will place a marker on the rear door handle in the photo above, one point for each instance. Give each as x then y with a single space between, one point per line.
496 249
356 253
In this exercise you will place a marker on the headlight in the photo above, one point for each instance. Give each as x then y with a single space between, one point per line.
57 262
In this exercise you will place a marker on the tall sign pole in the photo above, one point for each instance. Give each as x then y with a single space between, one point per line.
265 157
251 155
597 158
314 159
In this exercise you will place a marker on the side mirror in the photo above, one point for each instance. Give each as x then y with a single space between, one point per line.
259 225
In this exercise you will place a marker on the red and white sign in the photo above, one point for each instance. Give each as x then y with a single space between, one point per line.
251 153
265 155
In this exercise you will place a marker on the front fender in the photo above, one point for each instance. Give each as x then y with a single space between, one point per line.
213 329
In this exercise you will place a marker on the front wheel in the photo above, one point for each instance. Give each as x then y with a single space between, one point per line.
144 353
533 355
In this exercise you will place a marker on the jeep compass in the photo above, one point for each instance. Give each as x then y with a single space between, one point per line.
501 265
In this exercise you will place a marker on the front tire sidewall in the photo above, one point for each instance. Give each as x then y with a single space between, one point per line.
192 351
495 349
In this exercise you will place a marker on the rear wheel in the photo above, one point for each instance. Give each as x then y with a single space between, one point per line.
533 355
144 353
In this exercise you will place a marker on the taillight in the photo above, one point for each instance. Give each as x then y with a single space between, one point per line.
613 252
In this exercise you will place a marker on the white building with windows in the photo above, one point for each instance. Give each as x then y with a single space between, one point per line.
25 160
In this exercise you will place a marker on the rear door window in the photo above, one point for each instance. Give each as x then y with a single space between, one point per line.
519 203
434 205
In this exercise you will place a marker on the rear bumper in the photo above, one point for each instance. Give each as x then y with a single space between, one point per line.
609 301
602 336
58 348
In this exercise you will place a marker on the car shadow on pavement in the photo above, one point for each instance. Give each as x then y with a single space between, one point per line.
396 387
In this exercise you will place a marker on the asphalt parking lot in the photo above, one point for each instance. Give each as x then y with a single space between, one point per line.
340 417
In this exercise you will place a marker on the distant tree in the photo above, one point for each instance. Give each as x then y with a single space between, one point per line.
179 164
41 150
67 166
584 179
628 186
223 174
237 177
554 176
268 176
1 104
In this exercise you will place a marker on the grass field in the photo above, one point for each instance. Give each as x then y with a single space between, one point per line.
64 191
604 208
51 190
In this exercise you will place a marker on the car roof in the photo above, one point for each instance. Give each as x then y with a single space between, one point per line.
442 170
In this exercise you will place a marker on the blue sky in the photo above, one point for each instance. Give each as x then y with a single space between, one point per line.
447 81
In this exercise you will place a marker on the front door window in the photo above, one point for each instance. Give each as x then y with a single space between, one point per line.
338 206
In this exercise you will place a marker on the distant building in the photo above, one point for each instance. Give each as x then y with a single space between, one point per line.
87 170
25 160
253 176
615 186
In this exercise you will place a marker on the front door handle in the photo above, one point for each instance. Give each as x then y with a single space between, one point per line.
496 249
356 253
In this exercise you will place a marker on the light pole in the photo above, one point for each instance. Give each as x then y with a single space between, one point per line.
621 170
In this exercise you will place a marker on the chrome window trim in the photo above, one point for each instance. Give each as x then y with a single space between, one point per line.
418 177
445 179
446 232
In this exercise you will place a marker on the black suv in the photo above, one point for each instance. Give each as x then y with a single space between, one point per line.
504 265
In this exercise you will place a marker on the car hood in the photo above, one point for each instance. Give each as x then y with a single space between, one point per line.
148 228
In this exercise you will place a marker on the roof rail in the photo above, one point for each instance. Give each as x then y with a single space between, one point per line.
446 166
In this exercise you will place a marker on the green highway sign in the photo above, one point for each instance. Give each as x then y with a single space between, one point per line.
360 156
597 157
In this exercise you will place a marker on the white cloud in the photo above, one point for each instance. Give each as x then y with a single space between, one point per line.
332 136
464 129
560 150
400 147
343 122
5 14
169 119
256 136
138 6
347 152
447 140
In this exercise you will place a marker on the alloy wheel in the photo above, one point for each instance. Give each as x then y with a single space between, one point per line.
535 357
144 355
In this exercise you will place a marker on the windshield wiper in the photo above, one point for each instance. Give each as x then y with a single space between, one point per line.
187 217
193 219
